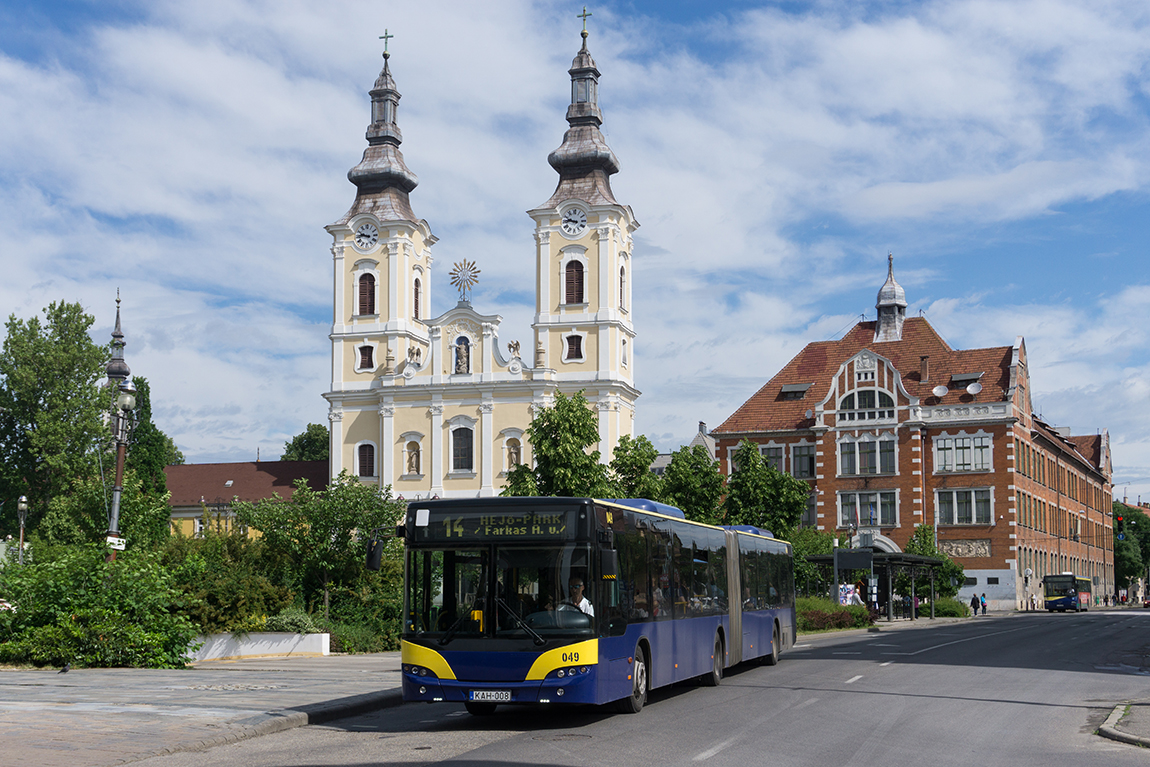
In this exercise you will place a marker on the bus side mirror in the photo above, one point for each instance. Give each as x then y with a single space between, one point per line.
609 565
374 553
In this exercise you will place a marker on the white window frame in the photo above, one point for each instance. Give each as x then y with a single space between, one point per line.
375 459
566 256
952 492
364 266
794 463
782 455
582 347
945 447
854 441
463 421
843 522
374 356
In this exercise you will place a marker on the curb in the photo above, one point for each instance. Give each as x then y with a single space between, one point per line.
290 718
1111 731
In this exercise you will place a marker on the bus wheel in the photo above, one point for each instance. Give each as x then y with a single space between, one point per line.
712 679
479 709
773 658
633 703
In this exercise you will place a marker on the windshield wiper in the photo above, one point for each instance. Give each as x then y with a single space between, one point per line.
539 640
447 637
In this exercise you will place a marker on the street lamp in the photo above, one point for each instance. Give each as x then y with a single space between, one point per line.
22 514
123 421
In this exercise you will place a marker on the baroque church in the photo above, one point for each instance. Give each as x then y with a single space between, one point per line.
439 406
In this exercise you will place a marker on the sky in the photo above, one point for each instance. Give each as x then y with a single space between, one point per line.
190 155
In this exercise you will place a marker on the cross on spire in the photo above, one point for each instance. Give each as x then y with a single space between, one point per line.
385 37
583 16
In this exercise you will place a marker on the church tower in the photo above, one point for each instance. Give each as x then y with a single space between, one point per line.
583 326
382 284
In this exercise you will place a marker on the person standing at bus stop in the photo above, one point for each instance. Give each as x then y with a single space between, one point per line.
974 605
983 602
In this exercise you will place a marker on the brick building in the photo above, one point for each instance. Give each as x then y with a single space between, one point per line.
892 428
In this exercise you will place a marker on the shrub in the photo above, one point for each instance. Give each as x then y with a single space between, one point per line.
358 638
946 608
819 614
293 621
80 609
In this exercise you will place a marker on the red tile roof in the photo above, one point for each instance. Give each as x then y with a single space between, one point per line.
818 363
190 483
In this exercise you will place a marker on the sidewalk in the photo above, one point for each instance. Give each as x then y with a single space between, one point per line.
97 717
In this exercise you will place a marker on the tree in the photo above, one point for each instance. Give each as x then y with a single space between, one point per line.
631 475
560 437
81 514
150 449
312 444
51 406
807 542
760 495
322 532
693 483
947 580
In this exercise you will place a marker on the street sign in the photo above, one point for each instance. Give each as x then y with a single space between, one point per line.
1121 536
117 543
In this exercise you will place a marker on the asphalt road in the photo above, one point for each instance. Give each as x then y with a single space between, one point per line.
1016 690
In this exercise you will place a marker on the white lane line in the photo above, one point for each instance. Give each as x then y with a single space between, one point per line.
957 641
853 679
715 749
796 647
805 703
886 664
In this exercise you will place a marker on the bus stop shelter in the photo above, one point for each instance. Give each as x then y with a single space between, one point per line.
885 566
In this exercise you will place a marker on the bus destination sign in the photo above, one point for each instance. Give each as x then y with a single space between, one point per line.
495 526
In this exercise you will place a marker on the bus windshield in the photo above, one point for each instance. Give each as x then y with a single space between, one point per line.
529 592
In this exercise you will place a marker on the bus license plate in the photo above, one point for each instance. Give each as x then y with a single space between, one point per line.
491 696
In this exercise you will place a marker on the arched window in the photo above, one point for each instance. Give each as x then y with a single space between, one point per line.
866 405
574 282
367 294
415 300
462 452
622 287
412 458
366 358
366 460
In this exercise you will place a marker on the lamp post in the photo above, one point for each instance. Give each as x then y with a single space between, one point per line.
123 421
22 514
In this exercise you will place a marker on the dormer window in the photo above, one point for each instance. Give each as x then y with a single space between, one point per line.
794 391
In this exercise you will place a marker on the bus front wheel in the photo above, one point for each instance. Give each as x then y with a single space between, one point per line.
633 703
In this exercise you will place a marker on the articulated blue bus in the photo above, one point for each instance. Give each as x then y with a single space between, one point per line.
576 600
1066 591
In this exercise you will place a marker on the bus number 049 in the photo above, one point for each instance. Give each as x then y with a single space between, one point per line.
570 657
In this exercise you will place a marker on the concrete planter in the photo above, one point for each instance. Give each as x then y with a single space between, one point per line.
261 645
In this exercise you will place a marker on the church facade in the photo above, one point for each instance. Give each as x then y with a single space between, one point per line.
440 405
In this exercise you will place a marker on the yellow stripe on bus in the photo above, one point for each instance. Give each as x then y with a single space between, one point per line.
579 654
418 655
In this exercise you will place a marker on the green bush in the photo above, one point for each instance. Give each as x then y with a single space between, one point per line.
359 638
293 621
946 608
820 614
77 608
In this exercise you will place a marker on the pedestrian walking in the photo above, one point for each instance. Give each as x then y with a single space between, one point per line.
974 603
983 602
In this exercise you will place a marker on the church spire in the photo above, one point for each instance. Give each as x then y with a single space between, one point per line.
891 307
584 161
382 178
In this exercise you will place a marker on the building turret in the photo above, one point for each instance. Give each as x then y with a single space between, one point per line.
891 307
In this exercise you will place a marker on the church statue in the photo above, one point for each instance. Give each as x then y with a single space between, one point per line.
462 356
513 347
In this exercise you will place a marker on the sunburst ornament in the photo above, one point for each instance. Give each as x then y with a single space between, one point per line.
464 277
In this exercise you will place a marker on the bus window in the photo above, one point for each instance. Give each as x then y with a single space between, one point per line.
660 543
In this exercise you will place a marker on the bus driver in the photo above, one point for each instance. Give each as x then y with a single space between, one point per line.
575 598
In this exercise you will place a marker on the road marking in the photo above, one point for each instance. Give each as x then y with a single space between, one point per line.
853 679
715 749
957 641
801 645
806 703
846 653
886 664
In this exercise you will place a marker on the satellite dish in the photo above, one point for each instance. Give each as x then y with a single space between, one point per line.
974 388
810 413
939 391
